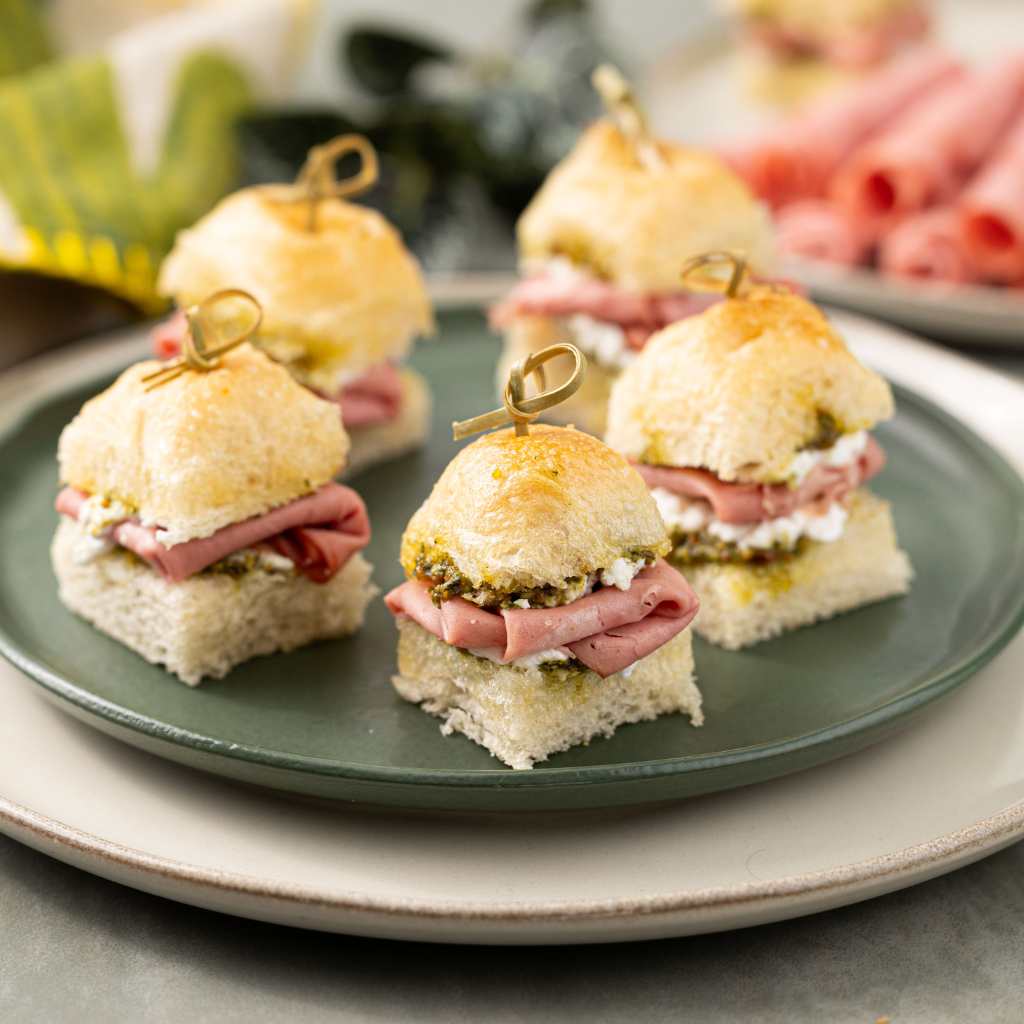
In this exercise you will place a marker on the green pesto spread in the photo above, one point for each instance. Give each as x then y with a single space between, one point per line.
447 582
827 433
701 548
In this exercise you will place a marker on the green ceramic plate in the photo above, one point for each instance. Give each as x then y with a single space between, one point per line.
324 721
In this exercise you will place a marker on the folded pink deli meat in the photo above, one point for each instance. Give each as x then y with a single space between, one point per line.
918 171
319 533
992 212
927 154
752 503
797 158
607 630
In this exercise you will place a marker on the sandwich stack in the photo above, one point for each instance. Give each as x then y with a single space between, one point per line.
539 611
750 424
343 298
200 524
602 242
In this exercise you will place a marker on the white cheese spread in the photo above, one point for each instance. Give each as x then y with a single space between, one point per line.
98 514
847 449
528 661
603 341
620 573
691 516
96 520
258 558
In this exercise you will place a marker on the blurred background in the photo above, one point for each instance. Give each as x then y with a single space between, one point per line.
122 122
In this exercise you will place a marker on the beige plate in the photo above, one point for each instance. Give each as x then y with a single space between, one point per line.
943 794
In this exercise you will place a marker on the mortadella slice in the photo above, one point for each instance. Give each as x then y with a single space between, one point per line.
752 503
319 533
818 229
607 630
929 246
992 212
558 295
373 398
795 159
658 590
456 621
930 150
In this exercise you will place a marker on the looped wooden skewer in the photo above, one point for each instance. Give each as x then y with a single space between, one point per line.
196 354
713 283
620 102
316 180
518 409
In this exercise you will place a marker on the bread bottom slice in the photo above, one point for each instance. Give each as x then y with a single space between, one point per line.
742 605
522 716
587 409
407 431
207 624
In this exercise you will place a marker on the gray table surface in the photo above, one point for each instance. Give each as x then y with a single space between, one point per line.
77 948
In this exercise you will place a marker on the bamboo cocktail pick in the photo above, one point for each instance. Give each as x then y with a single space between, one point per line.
316 180
518 409
204 342
619 101
733 286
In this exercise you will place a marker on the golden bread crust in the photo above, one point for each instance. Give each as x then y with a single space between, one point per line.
534 511
206 449
605 210
738 389
350 293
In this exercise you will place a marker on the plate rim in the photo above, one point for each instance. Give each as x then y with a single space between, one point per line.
546 778
970 842
991 301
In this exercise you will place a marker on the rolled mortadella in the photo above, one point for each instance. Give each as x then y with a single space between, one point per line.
795 159
992 212
928 152
818 229
928 246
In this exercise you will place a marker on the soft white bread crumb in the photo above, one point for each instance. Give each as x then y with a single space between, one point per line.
738 389
409 430
586 409
521 715
210 622
742 605
206 449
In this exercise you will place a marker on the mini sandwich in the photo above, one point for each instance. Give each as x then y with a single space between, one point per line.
601 245
539 611
200 525
795 48
343 299
750 423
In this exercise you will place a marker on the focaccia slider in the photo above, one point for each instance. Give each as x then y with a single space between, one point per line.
538 610
200 524
600 248
751 423
344 301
